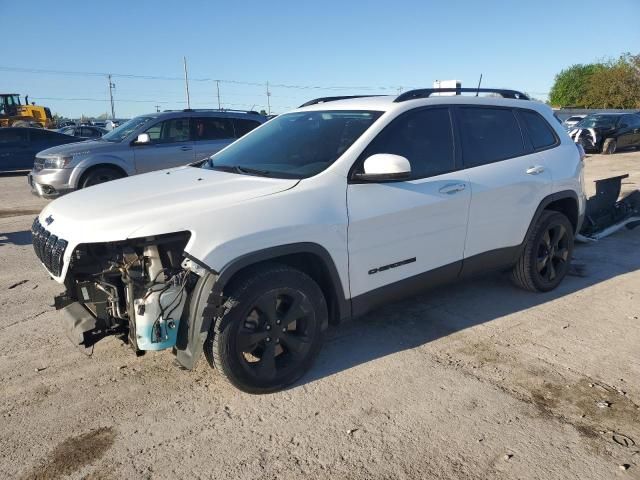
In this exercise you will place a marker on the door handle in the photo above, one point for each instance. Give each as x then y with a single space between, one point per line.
452 188
186 148
535 170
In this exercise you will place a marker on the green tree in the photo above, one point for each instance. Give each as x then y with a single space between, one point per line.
615 86
570 85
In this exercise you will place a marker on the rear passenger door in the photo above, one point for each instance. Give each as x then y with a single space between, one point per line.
170 146
508 177
210 135
399 230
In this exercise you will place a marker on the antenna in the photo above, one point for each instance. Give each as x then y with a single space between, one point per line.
479 82
186 82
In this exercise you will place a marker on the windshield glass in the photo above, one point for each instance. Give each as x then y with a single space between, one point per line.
599 121
124 130
295 145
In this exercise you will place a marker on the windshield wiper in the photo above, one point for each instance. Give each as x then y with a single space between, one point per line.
252 171
240 169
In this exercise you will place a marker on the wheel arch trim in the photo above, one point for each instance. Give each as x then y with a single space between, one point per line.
194 331
548 200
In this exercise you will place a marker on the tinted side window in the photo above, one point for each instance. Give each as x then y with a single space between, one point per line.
424 137
539 130
244 126
169 131
12 135
488 135
210 128
44 135
87 132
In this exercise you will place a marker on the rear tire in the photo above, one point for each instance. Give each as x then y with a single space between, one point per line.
609 146
547 254
271 329
100 175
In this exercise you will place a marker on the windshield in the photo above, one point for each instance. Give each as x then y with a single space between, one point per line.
295 145
599 121
124 130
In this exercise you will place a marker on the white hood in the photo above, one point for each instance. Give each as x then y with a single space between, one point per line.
150 204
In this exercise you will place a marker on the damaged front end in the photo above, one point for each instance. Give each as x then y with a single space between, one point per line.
134 289
589 138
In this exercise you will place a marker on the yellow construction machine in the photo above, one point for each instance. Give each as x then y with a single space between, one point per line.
14 114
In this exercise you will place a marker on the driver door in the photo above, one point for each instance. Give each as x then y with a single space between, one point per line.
170 146
402 229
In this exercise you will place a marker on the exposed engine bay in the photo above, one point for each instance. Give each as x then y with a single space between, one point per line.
135 289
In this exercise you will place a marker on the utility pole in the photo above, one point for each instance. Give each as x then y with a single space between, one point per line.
186 82
268 100
218 90
112 87
157 108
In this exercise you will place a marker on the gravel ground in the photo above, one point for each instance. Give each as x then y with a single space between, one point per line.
477 380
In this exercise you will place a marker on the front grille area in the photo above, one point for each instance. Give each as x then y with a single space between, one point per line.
49 248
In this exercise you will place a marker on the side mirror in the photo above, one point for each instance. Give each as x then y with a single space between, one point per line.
385 167
142 139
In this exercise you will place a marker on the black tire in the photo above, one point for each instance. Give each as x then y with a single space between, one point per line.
271 329
609 146
547 254
100 175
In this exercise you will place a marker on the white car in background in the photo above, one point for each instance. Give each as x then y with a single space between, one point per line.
572 121
318 215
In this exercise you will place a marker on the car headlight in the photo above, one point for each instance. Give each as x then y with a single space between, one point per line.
57 162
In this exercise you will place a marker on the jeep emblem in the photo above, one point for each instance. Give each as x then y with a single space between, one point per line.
49 220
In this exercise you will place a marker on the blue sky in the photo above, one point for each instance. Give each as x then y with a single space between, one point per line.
372 47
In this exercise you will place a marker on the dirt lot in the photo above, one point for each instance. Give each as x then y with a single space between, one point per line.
474 381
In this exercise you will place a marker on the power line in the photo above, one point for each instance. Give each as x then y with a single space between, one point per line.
206 79
157 102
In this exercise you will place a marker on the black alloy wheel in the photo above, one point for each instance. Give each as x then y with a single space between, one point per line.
271 329
546 255
553 252
277 334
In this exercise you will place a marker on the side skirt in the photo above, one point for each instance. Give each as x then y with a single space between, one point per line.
494 260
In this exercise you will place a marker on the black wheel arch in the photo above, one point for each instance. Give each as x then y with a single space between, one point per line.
309 257
565 202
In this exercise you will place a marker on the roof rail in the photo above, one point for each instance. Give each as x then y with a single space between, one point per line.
253 112
427 92
333 99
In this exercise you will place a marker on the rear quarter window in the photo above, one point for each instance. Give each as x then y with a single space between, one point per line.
540 132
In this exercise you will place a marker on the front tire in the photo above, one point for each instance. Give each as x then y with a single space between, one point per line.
271 330
547 254
100 175
609 146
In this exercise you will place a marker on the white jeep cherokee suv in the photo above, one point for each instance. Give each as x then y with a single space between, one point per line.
317 216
